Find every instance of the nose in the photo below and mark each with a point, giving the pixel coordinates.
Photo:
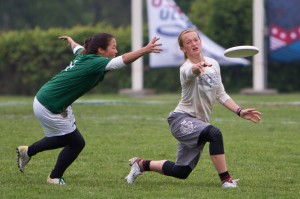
(194, 43)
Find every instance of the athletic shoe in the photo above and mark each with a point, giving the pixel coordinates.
(230, 183)
(23, 158)
(135, 170)
(59, 181)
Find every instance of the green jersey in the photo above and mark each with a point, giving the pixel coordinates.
(83, 74)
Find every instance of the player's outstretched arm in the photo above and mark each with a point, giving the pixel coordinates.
(70, 41)
(248, 114)
(151, 47)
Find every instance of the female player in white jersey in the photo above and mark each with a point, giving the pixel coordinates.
(52, 103)
(201, 84)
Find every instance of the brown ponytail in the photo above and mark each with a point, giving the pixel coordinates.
(100, 40)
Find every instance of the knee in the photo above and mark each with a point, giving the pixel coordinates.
(216, 134)
(210, 134)
(78, 144)
(216, 146)
(181, 172)
(81, 144)
(78, 140)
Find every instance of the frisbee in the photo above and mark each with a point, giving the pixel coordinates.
(241, 51)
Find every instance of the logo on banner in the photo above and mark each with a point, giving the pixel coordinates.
(170, 12)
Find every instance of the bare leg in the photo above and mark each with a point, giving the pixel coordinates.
(219, 162)
(157, 166)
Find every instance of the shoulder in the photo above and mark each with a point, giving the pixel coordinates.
(94, 58)
(211, 61)
(186, 65)
(92, 61)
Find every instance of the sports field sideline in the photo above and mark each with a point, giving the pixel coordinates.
(265, 156)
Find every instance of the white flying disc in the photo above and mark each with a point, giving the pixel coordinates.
(241, 51)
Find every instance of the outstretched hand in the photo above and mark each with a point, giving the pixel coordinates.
(67, 38)
(200, 67)
(250, 114)
(152, 46)
(70, 41)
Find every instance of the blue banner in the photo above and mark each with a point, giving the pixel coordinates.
(284, 30)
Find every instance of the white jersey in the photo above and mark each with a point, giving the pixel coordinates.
(199, 92)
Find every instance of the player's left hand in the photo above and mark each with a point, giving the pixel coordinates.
(153, 47)
(67, 38)
(250, 114)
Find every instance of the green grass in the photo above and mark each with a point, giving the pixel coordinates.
(265, 156)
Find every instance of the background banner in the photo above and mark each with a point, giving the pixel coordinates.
(284, 30)
(166, 20)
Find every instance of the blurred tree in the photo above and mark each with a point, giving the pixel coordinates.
(229, 23)
(185, 5)
(28, 14)
(115, 12)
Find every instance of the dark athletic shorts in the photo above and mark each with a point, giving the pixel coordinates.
(186, 129)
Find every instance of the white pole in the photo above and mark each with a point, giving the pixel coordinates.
(259, 82)
(137, 42)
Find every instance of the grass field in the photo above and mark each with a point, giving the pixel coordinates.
(265, 156)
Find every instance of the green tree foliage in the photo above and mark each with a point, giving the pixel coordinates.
(184, 5)
(29, 14)
(32, 57)
(229, 23)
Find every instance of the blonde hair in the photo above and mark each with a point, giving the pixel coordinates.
(180, 43)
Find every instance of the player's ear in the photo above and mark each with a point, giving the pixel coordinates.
(100, 51)
(182, 49)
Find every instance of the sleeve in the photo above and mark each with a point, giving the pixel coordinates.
(77, 49)
(187, 73)
(115, 63)
(221, 94)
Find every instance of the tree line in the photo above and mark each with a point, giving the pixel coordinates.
(228, 23)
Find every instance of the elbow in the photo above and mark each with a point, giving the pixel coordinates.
(126, 59)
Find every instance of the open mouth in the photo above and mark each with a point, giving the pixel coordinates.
(195, 49)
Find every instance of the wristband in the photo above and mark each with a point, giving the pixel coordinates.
(238, 112)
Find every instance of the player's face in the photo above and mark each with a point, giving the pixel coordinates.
(111, 51)
(191, 44)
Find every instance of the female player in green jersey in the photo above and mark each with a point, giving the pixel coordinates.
(52, 103)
